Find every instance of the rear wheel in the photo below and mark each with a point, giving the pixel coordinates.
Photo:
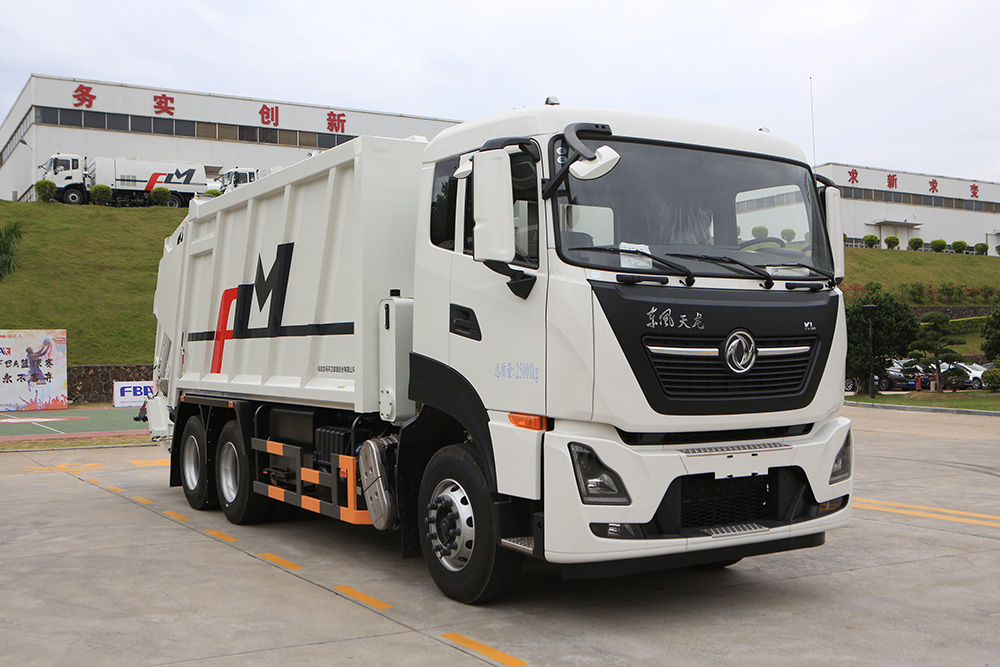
(196, 472)
(883, 384)
(459, 533)
(977, 383)
(849, 384)
(175, 201)
(234, 478)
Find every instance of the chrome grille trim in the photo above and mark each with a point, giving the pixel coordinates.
(729, 449)
(737, 529)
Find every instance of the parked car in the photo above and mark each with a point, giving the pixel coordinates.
(975, 371)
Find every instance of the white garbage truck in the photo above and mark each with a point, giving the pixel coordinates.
(131, 181)
(608, 340)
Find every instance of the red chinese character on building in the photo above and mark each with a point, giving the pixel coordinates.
(336, 122)
(891, 181)
(84, 96)
(853, 174)
(974, 189)
(269, 115)
(163, 104)
(933, 183)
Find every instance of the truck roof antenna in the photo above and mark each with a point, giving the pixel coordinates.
(551, 101)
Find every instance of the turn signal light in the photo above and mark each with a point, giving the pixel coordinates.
(530, 422)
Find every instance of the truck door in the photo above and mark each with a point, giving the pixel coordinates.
(497, 338)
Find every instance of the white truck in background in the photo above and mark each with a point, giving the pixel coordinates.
(130, 181)
(230, 179)
(547, 333)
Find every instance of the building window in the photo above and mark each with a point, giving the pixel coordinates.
(184, 128)
(163, 126)
(288, 137)
(118, 121)
(141, 124)
(47, 115)
(228, 132)
(327, 140)
(71, 117)
(307, 139)
(248, 133)
(205, 130)
(94, 119)
(267, 135)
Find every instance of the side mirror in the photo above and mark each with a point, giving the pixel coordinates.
(493, 207)
(605, 159)
(835, 230)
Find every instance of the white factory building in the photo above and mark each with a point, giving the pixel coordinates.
(98, 119)
(906, 205)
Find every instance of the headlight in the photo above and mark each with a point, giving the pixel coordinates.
(844, 462)
(598, 484)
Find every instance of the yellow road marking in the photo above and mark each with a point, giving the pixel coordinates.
(144, 501)
(931, 509)
(175, 515)
(927, 515)
(92, 481)
(74, 468)
(483, 649)
(361, 597)
(222, 536)
(115, 489)
(278, 560)
(150, 464)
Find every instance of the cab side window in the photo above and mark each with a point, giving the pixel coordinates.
(444, 195)
(524, 177)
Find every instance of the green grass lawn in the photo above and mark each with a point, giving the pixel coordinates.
(894, 268)
(92, 271)
(966, 399)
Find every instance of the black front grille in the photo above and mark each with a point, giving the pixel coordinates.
(706, 377)
(706, 501)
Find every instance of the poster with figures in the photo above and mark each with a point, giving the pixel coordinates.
(32, 370)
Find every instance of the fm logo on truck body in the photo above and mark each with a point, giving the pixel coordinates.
(273, 286)
(178, 177)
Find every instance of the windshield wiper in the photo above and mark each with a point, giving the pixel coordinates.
(722, 259)
(674, 266)
(823, 272)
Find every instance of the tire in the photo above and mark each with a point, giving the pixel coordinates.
(196, 471)
(234, 479)
(72, 196)
(175, 201)
(471, 567)
(849, 384)
(884, 385)
(977, 383)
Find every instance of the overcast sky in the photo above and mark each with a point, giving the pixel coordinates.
(909, 86)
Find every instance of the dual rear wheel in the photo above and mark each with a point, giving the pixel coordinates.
(219, 476)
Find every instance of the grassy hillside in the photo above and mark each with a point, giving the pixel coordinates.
(893, 268)
(90, 270)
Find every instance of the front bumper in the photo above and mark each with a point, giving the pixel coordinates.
(747, 472)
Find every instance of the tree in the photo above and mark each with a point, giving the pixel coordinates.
(893, 327)
(981, 248)
(788, 235)
(959, 246)
(870, 240)
(991, 336)
(891, 242)
(933, 347)
(916, 243)
(10, 238)
(938, 245)
(759, 232)
(45, 190)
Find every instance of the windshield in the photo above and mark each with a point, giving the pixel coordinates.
(674, 202)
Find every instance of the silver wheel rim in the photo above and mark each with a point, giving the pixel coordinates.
(192, 462)
(452, 528)
(229, 472)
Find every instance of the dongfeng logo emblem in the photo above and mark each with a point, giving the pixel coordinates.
(740, 351)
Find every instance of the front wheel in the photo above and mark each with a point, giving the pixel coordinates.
(849, 384)
(175, 201)
(977, 383)
(196, 471)
(72, 196)
(459, 533)
(234, 479)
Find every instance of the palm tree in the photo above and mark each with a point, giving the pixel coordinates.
(10, 237)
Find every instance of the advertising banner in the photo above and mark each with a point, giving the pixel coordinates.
(32, 370)
(132, 394)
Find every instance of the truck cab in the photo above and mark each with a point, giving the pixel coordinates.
(69, 174)
(233, 178)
